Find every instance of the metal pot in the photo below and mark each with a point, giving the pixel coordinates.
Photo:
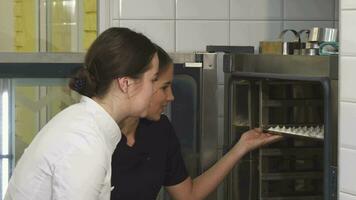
(312, 45)
(310, 52)
(306, 52)
(329, 48)
(306, 35)
(318, 34)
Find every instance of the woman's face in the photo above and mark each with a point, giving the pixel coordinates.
(142, 89)
(162, 94)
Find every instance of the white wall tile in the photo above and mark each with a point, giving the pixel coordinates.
(115, 23)
(115, 9)
(347, 119)
(348, 32)
(348, 4)
(300, 25)
(250, 33)
(159, 31)
(347, 79)
(193, 35)
(347, 178)
(256, 9)
(147, 9)
(309, 9)
(202, 9)
(344, 196)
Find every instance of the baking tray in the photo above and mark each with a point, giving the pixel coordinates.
(302, 132)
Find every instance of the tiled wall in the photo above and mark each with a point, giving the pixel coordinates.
(190, 25)
(347, 113)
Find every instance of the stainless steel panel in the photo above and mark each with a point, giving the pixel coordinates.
(294, 65)
(183, 57)
(220, 136)
(72, 57)
(209, 115)
(220, 100)
(41, 58)
(209, 112)
(219, 67)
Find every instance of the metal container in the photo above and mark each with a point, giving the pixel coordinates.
(307, 32)
(281, 47)
(329, 48)
(309, 52)
(306, 52)
(312, 45)
(318, 34)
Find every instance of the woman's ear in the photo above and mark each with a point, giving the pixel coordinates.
(123, 84)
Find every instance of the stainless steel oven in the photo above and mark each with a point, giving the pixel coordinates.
(193, 112)
(288, 92)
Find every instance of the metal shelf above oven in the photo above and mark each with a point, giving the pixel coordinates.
(293, 65)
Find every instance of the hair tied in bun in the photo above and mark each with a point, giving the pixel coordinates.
(79, 84)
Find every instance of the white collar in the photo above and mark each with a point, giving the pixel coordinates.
(107, 125)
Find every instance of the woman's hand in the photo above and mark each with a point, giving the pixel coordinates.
(255, 138)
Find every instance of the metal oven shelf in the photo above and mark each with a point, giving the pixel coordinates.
(294, 175)
(294, 198)
(290, 151)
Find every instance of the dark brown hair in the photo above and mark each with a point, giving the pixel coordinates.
(117, 52)
(164, 59)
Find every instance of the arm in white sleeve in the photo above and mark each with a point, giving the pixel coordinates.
(83, 174)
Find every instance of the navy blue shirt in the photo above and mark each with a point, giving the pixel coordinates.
(155, 160)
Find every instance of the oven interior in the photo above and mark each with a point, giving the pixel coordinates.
(291, 169)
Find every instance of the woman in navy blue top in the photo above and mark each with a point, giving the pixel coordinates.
(149, 157)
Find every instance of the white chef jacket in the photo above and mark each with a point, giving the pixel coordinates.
(70, 158)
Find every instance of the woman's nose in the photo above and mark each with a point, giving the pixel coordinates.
(170, 96)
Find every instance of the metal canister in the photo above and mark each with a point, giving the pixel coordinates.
(318, 34)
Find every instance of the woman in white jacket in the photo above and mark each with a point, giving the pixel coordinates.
(70, 158)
